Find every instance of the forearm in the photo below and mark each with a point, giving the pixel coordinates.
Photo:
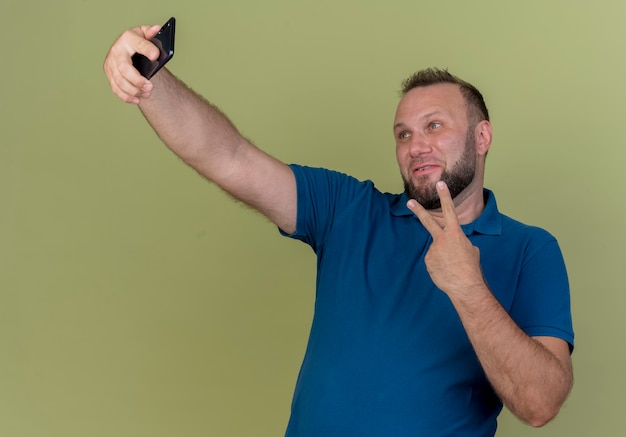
(531, 380)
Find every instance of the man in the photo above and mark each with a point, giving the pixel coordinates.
(432, 308)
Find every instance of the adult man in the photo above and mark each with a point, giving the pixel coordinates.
(432, 308)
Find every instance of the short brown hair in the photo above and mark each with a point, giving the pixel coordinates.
(477, 109)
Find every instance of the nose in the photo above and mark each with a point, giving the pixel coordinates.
(419, 145)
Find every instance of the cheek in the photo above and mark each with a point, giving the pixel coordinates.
(401, 159)
(401, 153)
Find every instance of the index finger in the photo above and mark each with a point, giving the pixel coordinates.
(447, 205)
(424, 217)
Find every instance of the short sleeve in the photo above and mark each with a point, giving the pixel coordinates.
(322, 196)
(542, 302)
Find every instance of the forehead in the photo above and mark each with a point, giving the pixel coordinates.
(439, 98)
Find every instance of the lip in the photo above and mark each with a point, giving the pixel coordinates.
(424, 169)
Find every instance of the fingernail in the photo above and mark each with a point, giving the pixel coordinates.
(441, 185)
(410, 203)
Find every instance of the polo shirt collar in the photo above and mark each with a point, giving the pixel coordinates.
(488, 223)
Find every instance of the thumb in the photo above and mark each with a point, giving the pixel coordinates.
(150, 31)
(145, 46)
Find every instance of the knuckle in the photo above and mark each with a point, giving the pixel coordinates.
(129, 33)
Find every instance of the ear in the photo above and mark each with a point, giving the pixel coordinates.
(482, 136)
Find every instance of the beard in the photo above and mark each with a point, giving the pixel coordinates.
(457, 178)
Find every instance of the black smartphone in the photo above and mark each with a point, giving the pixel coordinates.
(164, 40)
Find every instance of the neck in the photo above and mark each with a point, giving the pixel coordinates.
(469, 204)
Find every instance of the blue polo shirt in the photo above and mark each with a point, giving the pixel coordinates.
(387, 354)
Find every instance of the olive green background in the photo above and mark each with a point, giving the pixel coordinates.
(138, 300)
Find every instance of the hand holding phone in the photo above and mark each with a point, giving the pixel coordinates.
(164, 40)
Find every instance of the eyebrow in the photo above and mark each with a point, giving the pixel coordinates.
(421, 117)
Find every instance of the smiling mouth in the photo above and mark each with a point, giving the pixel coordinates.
(424, 168)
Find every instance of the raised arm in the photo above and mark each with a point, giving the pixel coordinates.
(532, 375)
(200, 134)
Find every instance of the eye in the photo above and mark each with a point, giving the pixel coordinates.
(404, 135)
(434, 125)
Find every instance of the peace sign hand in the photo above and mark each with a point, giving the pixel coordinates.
(452, 261)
